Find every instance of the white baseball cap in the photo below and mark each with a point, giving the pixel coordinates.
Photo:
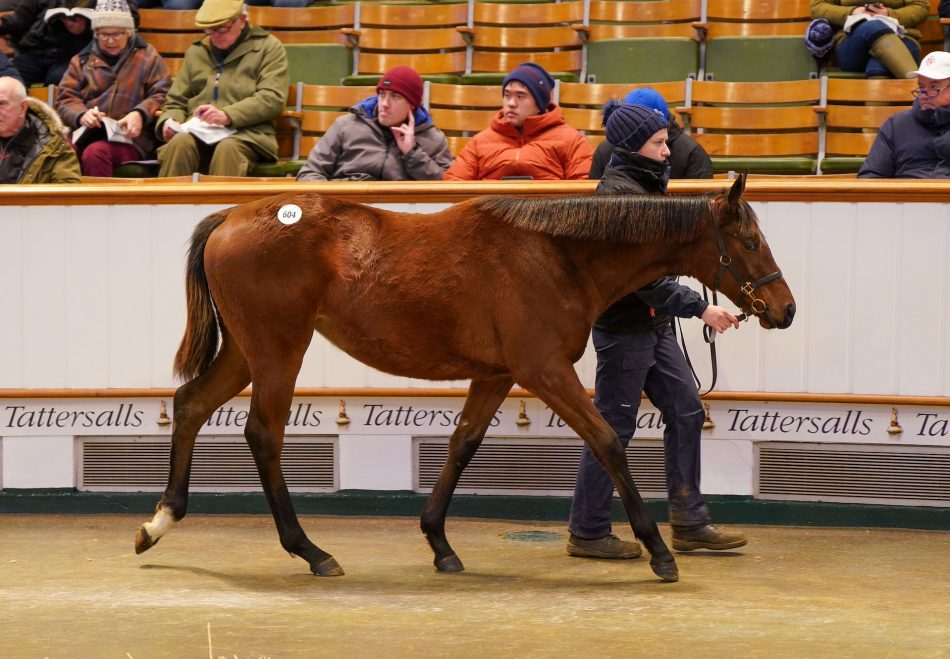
(935, 66)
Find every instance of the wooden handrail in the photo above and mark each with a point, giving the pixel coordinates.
(776, 188)
(456, 392)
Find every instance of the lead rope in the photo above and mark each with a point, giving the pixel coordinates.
(709, 336)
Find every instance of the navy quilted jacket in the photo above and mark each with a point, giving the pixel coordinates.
(914, 143)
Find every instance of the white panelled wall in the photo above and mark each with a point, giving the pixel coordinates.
(93, 297)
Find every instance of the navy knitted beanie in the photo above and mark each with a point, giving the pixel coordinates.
(630, 126)
(538, 81)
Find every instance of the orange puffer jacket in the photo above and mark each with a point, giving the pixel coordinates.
(546, 148)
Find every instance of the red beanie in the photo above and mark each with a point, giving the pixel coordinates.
(403, 81)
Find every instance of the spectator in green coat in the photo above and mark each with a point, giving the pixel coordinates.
(234, 83)
(33, 147)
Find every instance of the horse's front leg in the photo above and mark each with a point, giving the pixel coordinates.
(558, 386)
(194, 403)
(484, 398)
(270, 402)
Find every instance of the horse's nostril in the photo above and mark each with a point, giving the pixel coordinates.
(789, 314)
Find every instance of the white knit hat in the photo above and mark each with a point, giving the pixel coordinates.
(112, 13)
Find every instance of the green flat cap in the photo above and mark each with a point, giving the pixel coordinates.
(217, 12)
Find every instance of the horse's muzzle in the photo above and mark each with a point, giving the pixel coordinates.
(789, 316)
(768, 321)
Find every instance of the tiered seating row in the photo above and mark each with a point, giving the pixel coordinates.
(824, 125)
(813, 126)
(715, 41)
(477, 41)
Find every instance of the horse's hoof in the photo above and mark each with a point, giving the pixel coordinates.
(143, 541)
(328, 568)
(449, 564)
(666, 570)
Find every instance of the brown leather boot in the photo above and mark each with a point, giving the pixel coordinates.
(610, 546)
(707, 537)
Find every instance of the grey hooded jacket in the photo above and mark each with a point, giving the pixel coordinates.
(359, 148)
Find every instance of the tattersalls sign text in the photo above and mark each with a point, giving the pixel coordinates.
(438, 416)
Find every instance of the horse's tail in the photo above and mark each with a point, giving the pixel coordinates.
(199, 345)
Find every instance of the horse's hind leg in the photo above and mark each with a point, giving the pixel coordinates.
(563, 393)
(194, 403)
(484, 398)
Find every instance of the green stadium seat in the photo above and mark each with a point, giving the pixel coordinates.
(318, 64)
(642, 60)
(759, 59)
(769, 128)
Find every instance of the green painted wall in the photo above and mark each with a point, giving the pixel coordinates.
(725, 509)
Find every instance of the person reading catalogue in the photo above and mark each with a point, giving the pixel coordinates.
(231, 87)
(111, 92)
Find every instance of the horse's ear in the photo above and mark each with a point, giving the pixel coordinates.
(736, 192)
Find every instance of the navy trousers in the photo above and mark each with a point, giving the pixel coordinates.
(628, 364)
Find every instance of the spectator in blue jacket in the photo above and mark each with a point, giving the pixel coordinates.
(916, 143)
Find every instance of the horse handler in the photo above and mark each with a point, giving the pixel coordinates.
(637, 352)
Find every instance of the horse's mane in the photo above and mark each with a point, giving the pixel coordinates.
(629, 219)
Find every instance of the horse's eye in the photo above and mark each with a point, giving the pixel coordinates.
(750, 244)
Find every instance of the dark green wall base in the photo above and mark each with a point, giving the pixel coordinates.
(725, 509)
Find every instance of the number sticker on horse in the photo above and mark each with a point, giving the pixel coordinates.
(289, 214)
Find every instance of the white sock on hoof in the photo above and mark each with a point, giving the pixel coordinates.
(160, 524)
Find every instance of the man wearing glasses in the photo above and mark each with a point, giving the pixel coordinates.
(233, 79)
(111, 92)
(916, 143)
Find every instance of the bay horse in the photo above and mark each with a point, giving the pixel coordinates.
(494, 289)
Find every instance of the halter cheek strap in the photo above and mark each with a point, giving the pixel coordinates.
(746, 288)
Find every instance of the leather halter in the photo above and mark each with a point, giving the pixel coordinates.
(746, 288)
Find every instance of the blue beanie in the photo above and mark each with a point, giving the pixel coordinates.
(819, 37)
(649, 97)
(629, 127)
(538, 81)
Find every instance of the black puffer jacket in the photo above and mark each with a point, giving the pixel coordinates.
(30, 31)
(687, 158)
(651, 306)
